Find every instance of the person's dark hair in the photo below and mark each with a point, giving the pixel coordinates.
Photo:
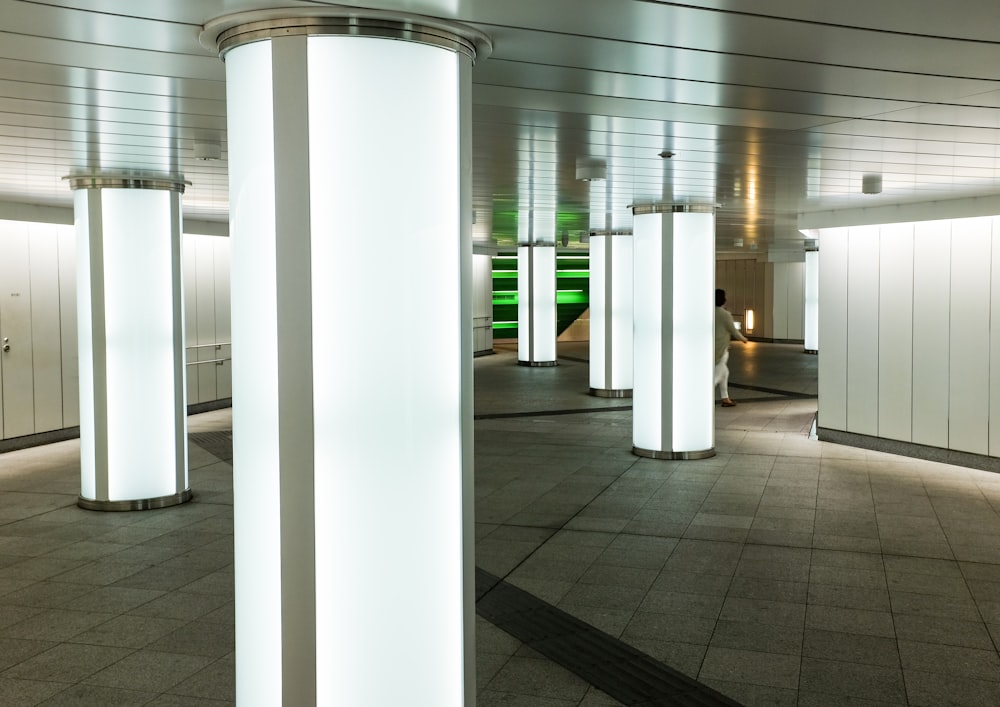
(720, 298)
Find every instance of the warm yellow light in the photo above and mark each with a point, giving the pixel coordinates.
(749, 320)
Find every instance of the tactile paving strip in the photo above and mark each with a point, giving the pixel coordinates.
(219, 444)
(626, 674)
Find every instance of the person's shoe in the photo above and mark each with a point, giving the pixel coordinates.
(728, 403)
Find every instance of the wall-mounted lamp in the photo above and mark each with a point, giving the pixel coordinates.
(748, 320)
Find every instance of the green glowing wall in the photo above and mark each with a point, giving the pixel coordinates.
(572, 292)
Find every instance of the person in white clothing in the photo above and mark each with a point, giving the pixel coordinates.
(725, 331)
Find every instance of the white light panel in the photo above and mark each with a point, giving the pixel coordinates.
(387, 438)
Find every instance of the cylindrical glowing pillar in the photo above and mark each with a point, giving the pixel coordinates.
(672, 409)
(352, 479)
(536, 304)
(130, 313)
(611, 314)
(811, 304)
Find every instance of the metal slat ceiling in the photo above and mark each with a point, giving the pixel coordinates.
(772, 109)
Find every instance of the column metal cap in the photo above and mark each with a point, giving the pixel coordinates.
(125, 181)
(230, 31)
(668, 208)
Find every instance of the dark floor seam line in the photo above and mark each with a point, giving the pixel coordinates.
(542, 413)
(774, 391)
(609, 664)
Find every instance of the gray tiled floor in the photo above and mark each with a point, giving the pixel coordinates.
(781, 571)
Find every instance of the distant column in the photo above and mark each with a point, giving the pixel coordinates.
(611, 293)
(536, 304)
(812, 302)
(133, 417)
(672, 411)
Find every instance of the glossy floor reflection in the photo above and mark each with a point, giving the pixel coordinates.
(781, 571)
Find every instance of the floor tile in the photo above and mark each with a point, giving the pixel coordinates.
(537, 678)
(752, 667)
(55, 625)
(67, 662)
(934, 689)
(950, 660)
(147, 670)
(767, 638)
(861, 621)
(839, 679)
(97, 695)
(850, 648)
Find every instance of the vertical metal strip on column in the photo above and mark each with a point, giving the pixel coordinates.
(99, 342)
(177, 277)
(532, 333)
(295, 364)
(666, 329)
(609, 315)
(467, 403)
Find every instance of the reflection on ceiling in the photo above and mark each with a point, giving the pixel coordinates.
(778, 108)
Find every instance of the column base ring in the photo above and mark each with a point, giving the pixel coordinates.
(611, 392)
(141, 504)
(657, 454)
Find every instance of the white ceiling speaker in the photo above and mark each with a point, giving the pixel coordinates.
(591, 170)
(207, 150)
(871, 184)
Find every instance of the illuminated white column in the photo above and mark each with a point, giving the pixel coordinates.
(611, 314)
(672, 413)
(536, 304)
(130, 311)
(812, 302)
(352, 479)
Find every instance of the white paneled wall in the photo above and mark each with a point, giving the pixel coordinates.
(833, 329)
(931, 292)
(206, 318)
(862, 330)
(895, 331)
(969, 337)
(910, 332)
(39, 380)
(789, 301)
(482, 303)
